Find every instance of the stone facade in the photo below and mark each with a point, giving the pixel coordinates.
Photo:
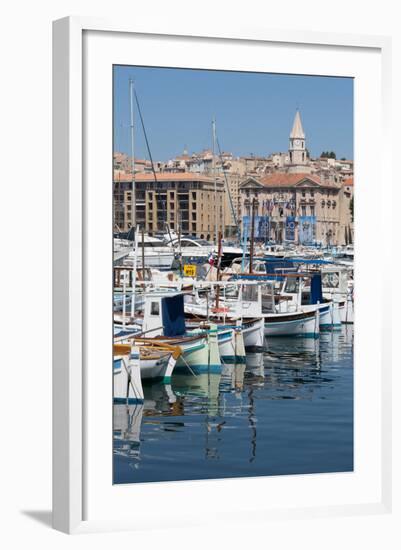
(179, 199)
(285, 184)
(314, 196)
(299, 196)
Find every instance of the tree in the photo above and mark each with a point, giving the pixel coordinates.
(328, 155)
(351, 207)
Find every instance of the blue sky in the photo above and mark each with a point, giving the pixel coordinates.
(254, 111)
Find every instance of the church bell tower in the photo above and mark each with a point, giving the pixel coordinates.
(297, 150)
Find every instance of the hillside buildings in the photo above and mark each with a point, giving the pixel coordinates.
(291, 196)
(301, 201)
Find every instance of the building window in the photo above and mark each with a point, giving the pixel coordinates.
(303, 193)
(312, 210)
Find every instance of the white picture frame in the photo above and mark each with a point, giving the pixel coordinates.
(71, 310)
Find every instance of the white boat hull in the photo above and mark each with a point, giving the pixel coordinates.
(307, 327)
(253, 334)
(127, 383)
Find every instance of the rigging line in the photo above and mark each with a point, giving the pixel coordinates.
(149, 153)
(228, 190)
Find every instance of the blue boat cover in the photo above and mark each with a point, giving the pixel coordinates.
(316, 289)
(173, 315)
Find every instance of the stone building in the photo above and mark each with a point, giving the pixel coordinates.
(346, 211)
(293, 207)
(185, 200)
(302, 201)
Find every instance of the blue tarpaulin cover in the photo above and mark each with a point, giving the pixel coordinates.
(316, 289)
(173, 315)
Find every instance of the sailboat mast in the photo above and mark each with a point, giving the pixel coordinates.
(252, 236)
(133, 199)
(215, 181)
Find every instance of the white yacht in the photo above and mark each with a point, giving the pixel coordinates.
(157, 254)
(195, 250)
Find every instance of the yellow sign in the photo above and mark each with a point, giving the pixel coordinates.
(190, 270)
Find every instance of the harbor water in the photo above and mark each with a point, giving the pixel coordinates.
(289, 410)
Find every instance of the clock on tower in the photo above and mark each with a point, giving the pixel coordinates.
(297, 142)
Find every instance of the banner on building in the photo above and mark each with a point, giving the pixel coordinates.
(261, 227)
(307, 229)
(290, 228)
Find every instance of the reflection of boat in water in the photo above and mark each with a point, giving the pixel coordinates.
(127, 420)
(232, 376)
(202, 389)
(159, 399)
(255, 364)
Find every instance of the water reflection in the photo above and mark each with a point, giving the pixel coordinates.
(241, 422)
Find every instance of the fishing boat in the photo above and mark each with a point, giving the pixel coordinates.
(229, 337)
(127, 384)
(256, 299)
(164, 322)
(156, 359)
(337, 285)
(303, 291)
(251, 330)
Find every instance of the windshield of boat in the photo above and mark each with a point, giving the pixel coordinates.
(249, 293)
(331, 280)
(291, 285)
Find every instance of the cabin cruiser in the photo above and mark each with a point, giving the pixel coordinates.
(194, 251)
(156, 253)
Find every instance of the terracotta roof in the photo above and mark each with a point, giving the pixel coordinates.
(282, 179)
(348, 181)
(182, 157)
(163, 176)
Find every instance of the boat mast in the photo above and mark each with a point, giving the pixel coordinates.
(134, 272)
(252, 235)
(143, 257)
(133, 189)
(218, 270)
(227, 193)
(215, 180)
